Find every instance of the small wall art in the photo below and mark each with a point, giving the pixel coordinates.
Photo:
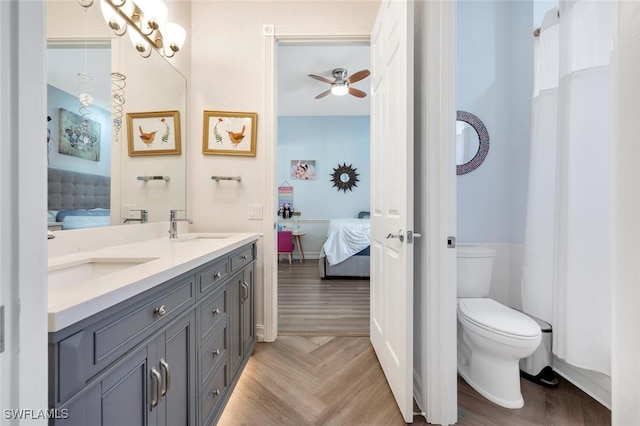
(229, 133)
(78, 140)
(303, 169)
(154, 133)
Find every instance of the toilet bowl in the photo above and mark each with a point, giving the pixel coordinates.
(492, 338)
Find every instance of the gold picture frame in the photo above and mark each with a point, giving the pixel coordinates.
(154, 133)
(229, 133)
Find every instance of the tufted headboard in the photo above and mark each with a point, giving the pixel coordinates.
(74, 190)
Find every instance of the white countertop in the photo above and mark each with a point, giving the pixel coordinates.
(74, 301)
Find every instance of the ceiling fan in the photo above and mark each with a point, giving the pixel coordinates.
(341, 84)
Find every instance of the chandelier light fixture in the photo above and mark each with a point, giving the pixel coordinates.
(146, 21)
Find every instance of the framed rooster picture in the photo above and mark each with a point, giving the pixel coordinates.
(229, 133)
(154, 133)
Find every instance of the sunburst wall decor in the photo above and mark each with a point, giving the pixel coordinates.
(344, 177)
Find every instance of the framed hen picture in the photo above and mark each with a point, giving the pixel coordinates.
(229, 133)
(154, 133)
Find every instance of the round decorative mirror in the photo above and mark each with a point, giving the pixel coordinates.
(344, 177)
(472, 142)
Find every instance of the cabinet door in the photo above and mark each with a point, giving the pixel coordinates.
(176, 363)
(248, 322)
(234, 293)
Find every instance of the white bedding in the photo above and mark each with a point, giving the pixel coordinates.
(346, 237)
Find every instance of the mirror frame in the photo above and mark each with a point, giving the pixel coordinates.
(483, 136)
(350, 172)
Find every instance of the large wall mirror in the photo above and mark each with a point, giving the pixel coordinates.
(90, 167)
(472, 142)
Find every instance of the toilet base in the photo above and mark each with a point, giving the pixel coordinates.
(505, 395)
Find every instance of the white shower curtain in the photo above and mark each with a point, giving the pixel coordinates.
(566, 273)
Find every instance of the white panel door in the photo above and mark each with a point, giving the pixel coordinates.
(391, 324)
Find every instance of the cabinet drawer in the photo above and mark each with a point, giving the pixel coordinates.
(212, 396)
(213, 353)
(122, 334)
(213, 276)
(241, 258)
(213, 312)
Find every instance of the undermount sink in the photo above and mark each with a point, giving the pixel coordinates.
(196, 237)
(86, 269)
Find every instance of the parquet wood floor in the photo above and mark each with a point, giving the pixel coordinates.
(321, 380)
(307, 378)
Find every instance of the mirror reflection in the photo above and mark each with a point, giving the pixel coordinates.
(467, 142)
(93, 179)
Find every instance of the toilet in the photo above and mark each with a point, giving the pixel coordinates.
(492, 338)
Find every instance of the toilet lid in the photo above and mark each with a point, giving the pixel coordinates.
(488, 313)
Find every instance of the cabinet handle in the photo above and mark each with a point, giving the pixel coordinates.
(216, 352)
(216, 311)
(243, 257)
(218, 275)
(160, 311)
(155, 373)
(216, 392)
(245, 291)
(167, 376)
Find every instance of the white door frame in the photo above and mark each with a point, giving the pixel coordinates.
(439, 399)
(272, 36)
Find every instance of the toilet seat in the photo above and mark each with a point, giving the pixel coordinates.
(494, 317)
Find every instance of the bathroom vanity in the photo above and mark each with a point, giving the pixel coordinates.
(153, 340)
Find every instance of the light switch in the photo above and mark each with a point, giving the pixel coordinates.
(255, 212)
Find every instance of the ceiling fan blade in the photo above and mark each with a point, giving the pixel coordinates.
(357, 93)
(358, 76)
(323, 94)
(320, 78)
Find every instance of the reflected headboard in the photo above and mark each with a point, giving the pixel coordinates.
(73, 190)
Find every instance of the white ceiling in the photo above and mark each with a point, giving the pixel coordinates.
(296, 91)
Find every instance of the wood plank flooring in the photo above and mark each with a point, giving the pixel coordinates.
(309, 305)
(306, 378)
(324, 380)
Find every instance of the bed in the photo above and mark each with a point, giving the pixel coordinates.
(78, 200)
(345, 252)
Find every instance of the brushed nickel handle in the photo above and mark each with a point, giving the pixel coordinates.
(216, 352)
(216, 392)
(216, 311)
(155, 373)
(160, 311)
(399, 235)
(245, 291)
(218, 275)
(167, 382)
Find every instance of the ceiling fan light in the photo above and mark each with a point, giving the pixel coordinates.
(339, 89)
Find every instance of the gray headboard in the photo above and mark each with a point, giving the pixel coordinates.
(74, 190)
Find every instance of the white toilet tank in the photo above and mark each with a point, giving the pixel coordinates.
(475, 265)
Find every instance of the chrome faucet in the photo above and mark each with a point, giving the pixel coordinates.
(144, 217)
(173, 223)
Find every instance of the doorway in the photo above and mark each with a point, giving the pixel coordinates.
(318, 133)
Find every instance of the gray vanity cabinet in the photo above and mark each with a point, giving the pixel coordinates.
(167, 357)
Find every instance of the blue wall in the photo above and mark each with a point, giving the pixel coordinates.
(495, 82)
(57, 99)
(330, 141)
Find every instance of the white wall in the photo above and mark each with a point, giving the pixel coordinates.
(495, 83)
(625, 256)
(229, 52)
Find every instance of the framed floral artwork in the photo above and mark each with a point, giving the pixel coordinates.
(229, 133)
(154, 133)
